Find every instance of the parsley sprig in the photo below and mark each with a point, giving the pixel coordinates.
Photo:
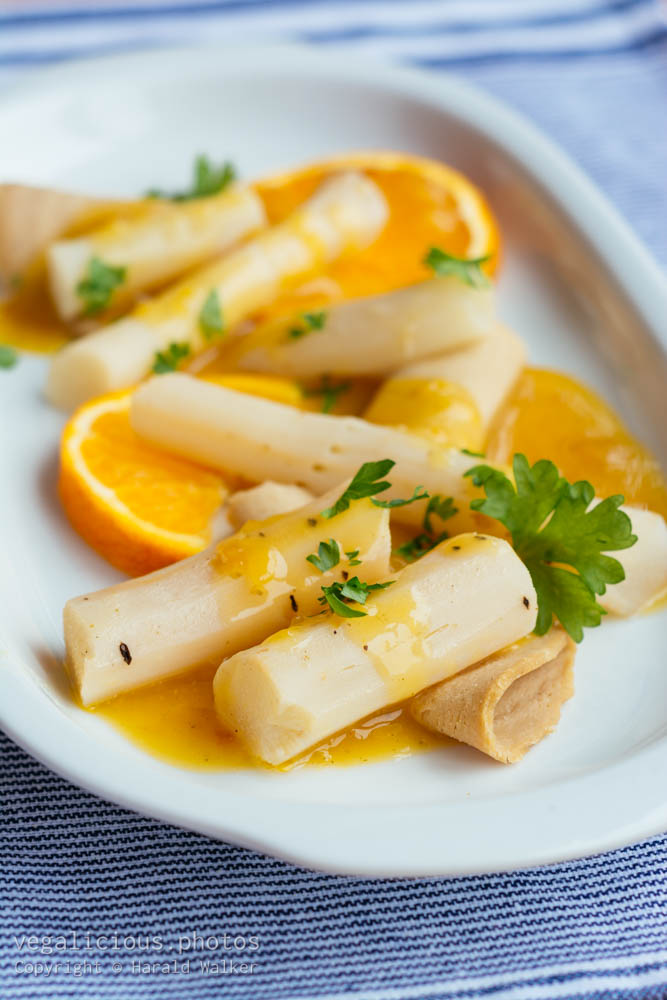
(559, 539)
(169, 360)
(367, 482)
(210, 316)
(468, 270)
(328, 390)
(355, 590)
(310, 321)
(429, 537)
(328, 556)
(207, 180)
(98, 285)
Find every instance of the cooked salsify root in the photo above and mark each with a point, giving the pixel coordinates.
(467, 598)
(210, 605)
(345, 214)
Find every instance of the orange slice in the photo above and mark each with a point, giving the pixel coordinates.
(140, 508)
(430, 204)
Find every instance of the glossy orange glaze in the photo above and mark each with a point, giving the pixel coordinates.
(551, 415)
(28, 320)
(175, 721)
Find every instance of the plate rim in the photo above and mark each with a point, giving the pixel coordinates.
(641, 281)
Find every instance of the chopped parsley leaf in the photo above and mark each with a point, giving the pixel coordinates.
(355, 590)
(8, 356)
(97, 287)
(210, 316)
(467, 270)
(418, 494)
(329, 392)
(328, 556)
(207, 180)
(311, 321)
(168, 360)
(367, 482)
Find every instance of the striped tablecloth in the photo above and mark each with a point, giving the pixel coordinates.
(594, 75)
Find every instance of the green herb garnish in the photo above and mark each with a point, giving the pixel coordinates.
(8, 356)
(328, 556)
(419, 494)
(168, 361)
(328, 391)
(367, 482)
(208, 179)
(442, 507)
(352, 590)
(210, 316)
(417, 546)
(311, 321)
(97, 287)
(475, 454)
(558, 538)
(352, 557)
(468, 270)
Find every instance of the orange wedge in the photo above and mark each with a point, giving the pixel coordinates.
(140, 508)
(430, 204)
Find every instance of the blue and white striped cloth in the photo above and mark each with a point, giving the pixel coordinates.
(594, 75)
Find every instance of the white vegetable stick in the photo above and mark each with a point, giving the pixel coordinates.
(345, 214)
(154, 247)
(467, 598)
(375, 335)
(260, 439)
(256, 504)
(265, 500)
(508, 702)
(645, 565)
(221, 600)
(450, 399)
(487, 369)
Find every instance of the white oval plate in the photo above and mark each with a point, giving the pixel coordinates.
(575, 283)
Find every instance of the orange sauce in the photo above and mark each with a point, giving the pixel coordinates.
(175, 721)
(28, 319)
